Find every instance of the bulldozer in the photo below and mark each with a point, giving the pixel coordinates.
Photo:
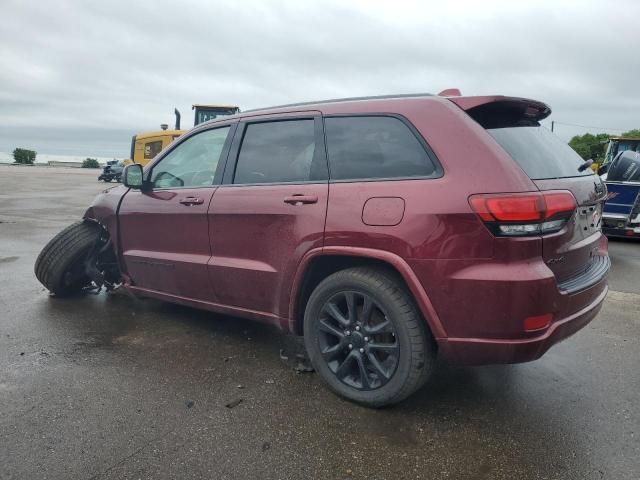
(145, 146)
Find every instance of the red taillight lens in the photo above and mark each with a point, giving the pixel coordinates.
(558, 202)
(524, 213)
(508, 208)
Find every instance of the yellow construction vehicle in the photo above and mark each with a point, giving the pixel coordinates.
(145, 146)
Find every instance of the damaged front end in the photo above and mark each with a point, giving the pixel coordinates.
(101, 264)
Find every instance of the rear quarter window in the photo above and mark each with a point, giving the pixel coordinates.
(375, 147)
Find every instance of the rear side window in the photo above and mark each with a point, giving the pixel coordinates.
(280, 152)
(374, 147)
(539, 152)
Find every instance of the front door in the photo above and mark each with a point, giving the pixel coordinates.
(164, 228)
(268, 213)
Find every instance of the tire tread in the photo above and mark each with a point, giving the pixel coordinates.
(61, 252)
(421, 345)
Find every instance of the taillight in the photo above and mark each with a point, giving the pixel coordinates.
(519, 214)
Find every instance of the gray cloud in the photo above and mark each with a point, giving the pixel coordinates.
(80, 77)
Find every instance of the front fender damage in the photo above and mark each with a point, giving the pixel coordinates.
(102, 263)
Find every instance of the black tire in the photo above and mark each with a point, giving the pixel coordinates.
(395, 311)
(60, 265)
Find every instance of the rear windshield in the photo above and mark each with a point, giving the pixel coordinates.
(626, 168)
(539, 152)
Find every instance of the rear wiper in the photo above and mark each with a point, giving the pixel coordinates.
(585, 165)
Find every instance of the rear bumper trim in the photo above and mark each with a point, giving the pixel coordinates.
(598, 269)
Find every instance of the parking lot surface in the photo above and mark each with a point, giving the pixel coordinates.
(107, 386)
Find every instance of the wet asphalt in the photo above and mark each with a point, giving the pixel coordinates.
(109, 387)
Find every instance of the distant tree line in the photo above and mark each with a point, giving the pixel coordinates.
(90, 163)
(24, 156)
(594, 146)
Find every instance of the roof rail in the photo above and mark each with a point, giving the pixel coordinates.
(340, 100)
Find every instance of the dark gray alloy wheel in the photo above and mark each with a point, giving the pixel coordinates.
(366, 338)
(357, 340)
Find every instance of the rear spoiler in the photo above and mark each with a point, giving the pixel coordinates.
(481, 107)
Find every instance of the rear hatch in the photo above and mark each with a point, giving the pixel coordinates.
(552, 165)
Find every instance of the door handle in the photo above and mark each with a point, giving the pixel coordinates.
(300, 199)
(191, 201)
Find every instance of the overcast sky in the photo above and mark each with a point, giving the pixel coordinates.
(81, 77)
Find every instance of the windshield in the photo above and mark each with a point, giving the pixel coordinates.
(205, 114)
(539, 152)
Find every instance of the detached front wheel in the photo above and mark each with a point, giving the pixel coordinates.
(60, 267)
(366, 339)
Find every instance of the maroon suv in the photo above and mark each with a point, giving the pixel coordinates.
(382, 229)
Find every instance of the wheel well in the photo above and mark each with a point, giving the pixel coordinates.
(106, 257)
(321, 267)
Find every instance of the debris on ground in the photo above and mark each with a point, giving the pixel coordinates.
(190, 403)
(234, 403)
(294, 354)
(303, 367)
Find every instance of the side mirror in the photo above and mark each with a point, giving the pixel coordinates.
(132, 176)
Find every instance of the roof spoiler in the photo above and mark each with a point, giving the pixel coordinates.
(480, 107)
(450, 92)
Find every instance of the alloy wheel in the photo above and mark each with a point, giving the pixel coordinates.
(357, 341)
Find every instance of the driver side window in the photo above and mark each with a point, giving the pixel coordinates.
(193, 163)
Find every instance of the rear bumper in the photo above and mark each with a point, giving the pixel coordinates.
(622, 232)
(476, 351)
(620, 225)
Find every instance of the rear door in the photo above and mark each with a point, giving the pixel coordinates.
(553, 165)
(164, 229)
(269, 211)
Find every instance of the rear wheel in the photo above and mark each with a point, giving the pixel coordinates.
(60, 267)
(366, 339)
